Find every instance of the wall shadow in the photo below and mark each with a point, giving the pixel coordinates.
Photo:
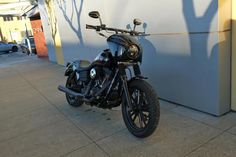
(69, 17)
(72, 16)
(192, 80)
(199, 25)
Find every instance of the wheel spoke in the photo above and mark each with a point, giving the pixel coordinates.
(133, 99)
(135, 116)
(131, 114)
(138, 96)
(133, 95)
(144, 118)
(140, 109)
(144, 106)
(140, 120)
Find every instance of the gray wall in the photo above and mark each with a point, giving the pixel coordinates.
(188, 69)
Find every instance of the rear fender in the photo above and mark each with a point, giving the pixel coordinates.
(69, 69)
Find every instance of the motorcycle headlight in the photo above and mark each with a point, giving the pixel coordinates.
(133, 52)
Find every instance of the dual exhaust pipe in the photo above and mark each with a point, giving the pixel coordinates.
(75, 94)
(70, 92)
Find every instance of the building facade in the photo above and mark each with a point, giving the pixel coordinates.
(14, 28)
(187, 57)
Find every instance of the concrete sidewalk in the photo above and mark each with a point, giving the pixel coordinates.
(35, 120)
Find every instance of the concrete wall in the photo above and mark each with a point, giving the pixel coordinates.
(50, 24)
(47, 31)
(233, 69)
(187, 57)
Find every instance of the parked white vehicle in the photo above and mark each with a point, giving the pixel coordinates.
(6, 47)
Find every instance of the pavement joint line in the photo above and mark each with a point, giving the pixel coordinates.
(211, 139)
(102, 138)
(27, 132)
(24, 113)
(231, 132)
(102, 149)
(68, 153)
(199, 121)
(61, 112)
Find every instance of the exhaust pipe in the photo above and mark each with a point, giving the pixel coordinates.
(68, 91)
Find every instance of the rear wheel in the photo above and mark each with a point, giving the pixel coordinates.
(71, 84)
(27, 52)
(143, 118)
(14, 49)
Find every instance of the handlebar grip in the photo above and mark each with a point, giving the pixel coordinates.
(90, 27)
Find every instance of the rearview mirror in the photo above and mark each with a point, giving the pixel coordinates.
(137, 22)
(94, 14)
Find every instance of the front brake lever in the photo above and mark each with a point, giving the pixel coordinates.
(102, 34)
(139, 33)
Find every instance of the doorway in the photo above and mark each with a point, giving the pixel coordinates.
(39, 37)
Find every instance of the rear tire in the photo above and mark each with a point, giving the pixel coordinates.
(73, 101)
(143, 118)
(14, 49)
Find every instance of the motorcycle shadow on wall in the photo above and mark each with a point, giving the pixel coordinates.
(150, 55)
(191, 74)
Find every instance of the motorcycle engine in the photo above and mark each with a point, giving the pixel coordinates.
(100, 77)
(101, 84)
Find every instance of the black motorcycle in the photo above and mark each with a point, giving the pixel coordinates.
(108, 81)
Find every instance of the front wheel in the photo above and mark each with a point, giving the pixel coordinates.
(142, 119)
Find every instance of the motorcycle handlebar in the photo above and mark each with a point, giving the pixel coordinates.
(91, 27)
(103, 27)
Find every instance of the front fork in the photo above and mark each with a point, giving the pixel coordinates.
(126, 92)
(123, 76)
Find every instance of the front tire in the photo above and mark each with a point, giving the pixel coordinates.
(71, 83)
(143, 118)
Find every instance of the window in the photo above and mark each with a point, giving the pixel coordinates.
(19, 17)
(8, 18)
(4, 18)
